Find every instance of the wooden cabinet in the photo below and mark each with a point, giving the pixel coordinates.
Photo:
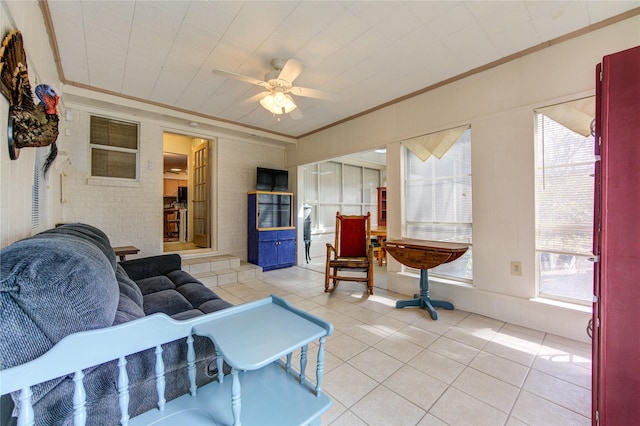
(382, 206)
(171, 186)
(271, 236)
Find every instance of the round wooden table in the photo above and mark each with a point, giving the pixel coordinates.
(424, 255)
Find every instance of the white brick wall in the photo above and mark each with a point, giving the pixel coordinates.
(131, 212)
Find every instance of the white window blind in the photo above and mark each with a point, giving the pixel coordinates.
(39, 193)
(564, 210)
(114, 148)
(438, 201)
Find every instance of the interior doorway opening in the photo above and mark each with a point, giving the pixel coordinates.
(350, 184)
(187, 193)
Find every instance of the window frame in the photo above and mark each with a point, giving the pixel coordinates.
(135, 151)
(576, 256)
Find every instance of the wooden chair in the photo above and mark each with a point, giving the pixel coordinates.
(352, 252)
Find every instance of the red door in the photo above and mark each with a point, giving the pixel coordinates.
(616, 345)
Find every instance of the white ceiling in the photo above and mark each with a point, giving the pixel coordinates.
(367, 53)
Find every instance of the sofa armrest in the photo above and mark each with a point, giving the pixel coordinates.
(152, 266)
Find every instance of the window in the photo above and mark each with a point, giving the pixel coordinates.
(564, 211)
(114, 148)
(334, 186)
(39, 199)
(438, 198)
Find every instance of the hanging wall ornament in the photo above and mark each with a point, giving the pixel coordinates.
(29, 125)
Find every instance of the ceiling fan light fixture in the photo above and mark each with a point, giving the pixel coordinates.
(278, 103)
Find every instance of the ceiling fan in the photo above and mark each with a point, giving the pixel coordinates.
(279, 87)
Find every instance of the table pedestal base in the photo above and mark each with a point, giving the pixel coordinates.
(423, 300)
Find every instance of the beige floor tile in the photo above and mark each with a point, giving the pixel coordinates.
(512, 421)
(417, 336)
(361, 314)
(347, 384)
(344, 346)
(565, 367)
(500, 368)
(475, 338)
(348, 419)
(368, 334)
(397, 346)
(488, 389)
(436, 327)
(512, 349)
(480, 322)
(382, 407)
(416, 386)
(431, 420)
(436, 365)
(375, 364)
(392, 366)
(534, 410)
(560, 392)
(454, 350)
(335, 411)
(458, 408)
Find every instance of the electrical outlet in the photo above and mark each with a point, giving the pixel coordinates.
(516, 268)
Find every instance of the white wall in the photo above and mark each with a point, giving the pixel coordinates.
(16, 176)
(499, 104)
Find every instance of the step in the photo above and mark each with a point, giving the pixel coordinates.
(215, 271)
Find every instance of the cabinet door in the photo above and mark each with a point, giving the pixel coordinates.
(286, 252)
(268, 249)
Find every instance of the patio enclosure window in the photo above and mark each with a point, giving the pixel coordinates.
(438, 199)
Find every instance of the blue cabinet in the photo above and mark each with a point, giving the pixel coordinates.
(271, 234)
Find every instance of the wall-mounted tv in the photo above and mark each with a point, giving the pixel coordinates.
(272, 180)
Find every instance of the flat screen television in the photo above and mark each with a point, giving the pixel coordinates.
(272, 179)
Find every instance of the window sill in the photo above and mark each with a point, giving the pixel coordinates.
(564, 305)
(126, 183)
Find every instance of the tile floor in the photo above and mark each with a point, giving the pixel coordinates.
(388, 366)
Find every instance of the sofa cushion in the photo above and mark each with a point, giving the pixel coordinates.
(128, 310)
(196, 293)
(85, 232)
(128, 286)
(155, 284)
(214, 305)
(169, 302)
(180, 277)
(152, 266)
(75, 279)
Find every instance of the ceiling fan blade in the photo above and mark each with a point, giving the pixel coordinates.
(291, 70)
(240, 77)
(254, 98)
(311, 93)
(296, 114)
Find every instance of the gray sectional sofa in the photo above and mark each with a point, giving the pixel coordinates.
(67, 280)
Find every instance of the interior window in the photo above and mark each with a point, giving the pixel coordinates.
(564, 210)
(438, 195)
(114, 148)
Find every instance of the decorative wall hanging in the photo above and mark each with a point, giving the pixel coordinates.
(29, 125)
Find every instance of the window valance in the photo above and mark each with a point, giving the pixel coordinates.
(437, 143)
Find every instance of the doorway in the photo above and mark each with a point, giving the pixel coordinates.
(187, 193)
(350, 184)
